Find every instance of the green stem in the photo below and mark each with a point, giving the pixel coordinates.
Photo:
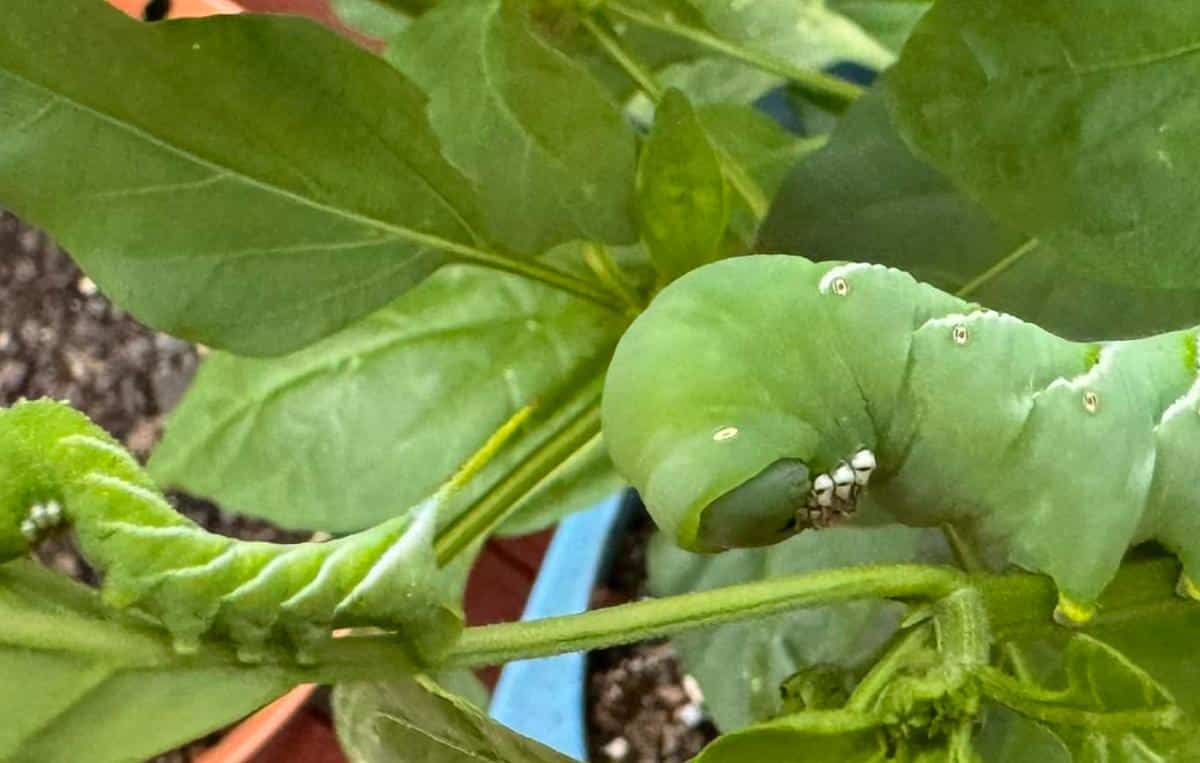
(637, 621)
(734, 173)
(598, 258)
(1043, 705)
(1001, 265)
(532, 270)
(822, 87)
(638, 73)
(496, 505)
(881, 673)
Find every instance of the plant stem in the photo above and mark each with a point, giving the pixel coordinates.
(1001, 265)
(734, 173)
(495, 505)
(532, 270)
(822, 87)
(598, 258)
(880, 675)
(612, 46)
(626, 623)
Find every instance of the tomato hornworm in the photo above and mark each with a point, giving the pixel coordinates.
(758, 397)
(57, 468)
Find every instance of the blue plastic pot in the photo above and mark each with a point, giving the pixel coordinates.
(544, 699)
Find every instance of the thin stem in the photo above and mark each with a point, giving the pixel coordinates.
(737, 176)
(496, 505)
(964, 554)
(532, 270)
(823, 87)
(881, 673)
(999, 267)
(627, 623)
(598, 258)
(638, 73)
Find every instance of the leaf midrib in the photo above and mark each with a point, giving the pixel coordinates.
(398, 231)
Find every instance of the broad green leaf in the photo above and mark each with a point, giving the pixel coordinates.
(813, 737)
(345, 433)
(415, 720)
(261, 185)
(552, 155)
(741, 666)
(1072, 121)
(681, 194)
(866, 197)
(888, 21)
(381, 19)
(80, 683)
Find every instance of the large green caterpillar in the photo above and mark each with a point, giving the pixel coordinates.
(57, 467)
(757, 396)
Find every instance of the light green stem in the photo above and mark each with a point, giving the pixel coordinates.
(598, 258)
(822, 87)
(638, 73)
(1001, 265)
(496, 505)
(734, 173)
(637, 621)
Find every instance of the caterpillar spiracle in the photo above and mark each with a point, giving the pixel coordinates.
(758, 396)
(58, 468)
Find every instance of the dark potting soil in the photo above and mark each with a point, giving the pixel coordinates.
(61, 338)
(641, 706)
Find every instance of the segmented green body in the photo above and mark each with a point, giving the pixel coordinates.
(195, 582)
(1060, 454)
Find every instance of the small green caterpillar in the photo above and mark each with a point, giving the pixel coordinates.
(57, 467)
(758, 396)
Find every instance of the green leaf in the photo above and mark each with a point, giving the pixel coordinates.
(83, 683)
(1070, 121)
(552, 155)
(888, 21)
(682, 199)
(741, 666)
(1006, 737)
(344, 433)
(381, 19)
(866, 197)
(261, 184)
(807, 33)
(415, 720)
(813, 737)
(761, 148)
(1092, 697)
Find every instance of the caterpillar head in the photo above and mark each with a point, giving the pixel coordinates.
(30, 474)
(717, 407)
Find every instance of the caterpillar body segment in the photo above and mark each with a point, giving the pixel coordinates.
(197, 583)
(1060, 454)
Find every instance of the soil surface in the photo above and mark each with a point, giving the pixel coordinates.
(642, 707)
